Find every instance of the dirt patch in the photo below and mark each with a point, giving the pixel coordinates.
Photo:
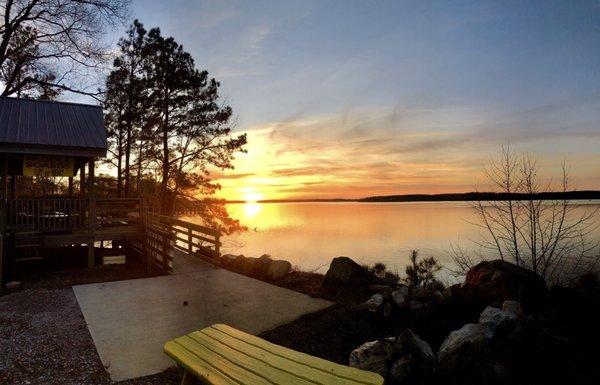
(65, 278)
(332, 333)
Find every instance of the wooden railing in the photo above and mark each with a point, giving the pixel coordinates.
(156, 248)
(47, 214)
(71, 214)
(193, 239)
(118, 212)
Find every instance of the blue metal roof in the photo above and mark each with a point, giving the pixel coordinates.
(53, 128)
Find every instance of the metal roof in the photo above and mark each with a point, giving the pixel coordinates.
(29, 126)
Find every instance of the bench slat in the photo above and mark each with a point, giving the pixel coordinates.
(196, 365)
(237, 373)
(271, 374)
(222, 355)
(358, 375)
(291, 366)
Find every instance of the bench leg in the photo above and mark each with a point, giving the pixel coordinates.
(189, 379)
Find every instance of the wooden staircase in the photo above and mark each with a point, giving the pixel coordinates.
(28, 246)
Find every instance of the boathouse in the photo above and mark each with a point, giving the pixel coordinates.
(49, 139)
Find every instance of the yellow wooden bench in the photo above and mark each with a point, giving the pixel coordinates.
(222, 355)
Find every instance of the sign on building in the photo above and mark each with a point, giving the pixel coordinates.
(47, 166)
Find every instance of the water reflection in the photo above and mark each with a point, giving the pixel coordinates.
(311, 234)
(251, 209)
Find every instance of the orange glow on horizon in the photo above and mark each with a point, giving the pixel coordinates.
(316, 159)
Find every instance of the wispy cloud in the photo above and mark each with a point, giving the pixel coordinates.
(400, 150)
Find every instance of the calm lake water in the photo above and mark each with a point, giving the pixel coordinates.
(309, 235)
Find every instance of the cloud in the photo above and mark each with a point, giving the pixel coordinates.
(407, 150)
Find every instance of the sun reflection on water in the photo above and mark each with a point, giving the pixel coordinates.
(251, 209)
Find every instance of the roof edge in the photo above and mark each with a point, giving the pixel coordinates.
(51, 102)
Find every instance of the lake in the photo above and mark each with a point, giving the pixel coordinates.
(309, 235)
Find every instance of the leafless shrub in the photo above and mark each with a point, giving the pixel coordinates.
(549, 237)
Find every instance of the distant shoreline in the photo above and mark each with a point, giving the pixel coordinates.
(451, 197)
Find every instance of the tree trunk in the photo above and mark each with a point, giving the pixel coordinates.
(165, 160)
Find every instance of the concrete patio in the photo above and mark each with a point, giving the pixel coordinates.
(131, 320)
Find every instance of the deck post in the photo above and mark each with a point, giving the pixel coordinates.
(3, 188)
(70, 186)
(92, 214)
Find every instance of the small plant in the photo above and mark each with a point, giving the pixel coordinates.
(422, 272)
(379, 269)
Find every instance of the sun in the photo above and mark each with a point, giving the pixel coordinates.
(252, 197)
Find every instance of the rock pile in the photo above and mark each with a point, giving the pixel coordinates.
(264, 267)
(405, 358)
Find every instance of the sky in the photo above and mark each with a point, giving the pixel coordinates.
(345, 99)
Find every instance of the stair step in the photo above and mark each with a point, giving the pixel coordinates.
(26, 259)
(27, 245)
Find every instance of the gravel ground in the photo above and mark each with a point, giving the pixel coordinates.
(44, 340)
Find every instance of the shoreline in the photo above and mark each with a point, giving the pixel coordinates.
(588, 195)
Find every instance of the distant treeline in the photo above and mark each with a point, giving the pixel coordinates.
(483, 196)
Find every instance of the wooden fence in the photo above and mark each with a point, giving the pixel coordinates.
(156, 247)
(196, 240)
(47, 214)
(70, 214)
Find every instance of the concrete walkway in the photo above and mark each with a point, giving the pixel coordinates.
(131, 320)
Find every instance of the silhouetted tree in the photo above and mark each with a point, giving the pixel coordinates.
(192, 126)
(50, 44)
(126, 103)
(164, 117)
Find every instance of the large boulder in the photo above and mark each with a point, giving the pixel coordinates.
(493, 282)
(400, 296)
(238, 264)
(279, 269)
(374, 356)
(416, 359)
(227, 260)
(513, 307)
(497, 318)
(463, 347)
(345, 275)
(261, 266)
(374, 303)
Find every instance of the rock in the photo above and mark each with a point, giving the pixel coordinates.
(513, 307)
(238, 264)
(244, 265)
(381, 289)
(425, 294)
(387, 279)
(279, 269)
(463, 347)
(228, 260)
(401, 369)
(497, 318)
(260, 268)
(345, 275)
(415, 305)
(12, 285)
(374, 356)
(374, 303)
(408, 342)
(400, 296)
(416, 358)
(492, 282)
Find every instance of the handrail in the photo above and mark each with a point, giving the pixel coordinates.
(192, 238)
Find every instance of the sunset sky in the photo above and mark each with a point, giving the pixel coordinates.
(355, 98)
